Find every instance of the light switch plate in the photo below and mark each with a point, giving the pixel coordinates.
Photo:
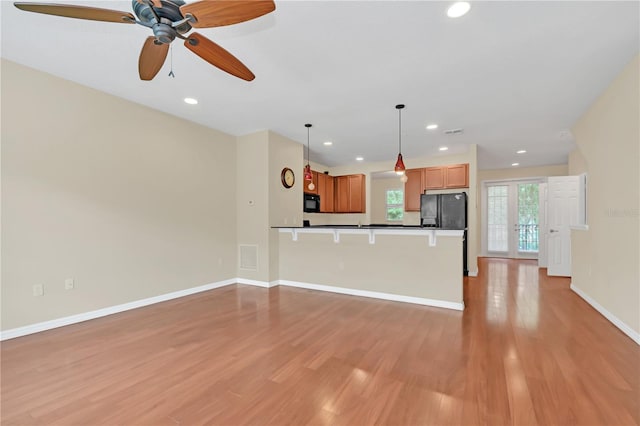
(38, 290)
(69, 284)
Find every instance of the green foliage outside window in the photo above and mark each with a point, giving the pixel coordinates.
(395, 205)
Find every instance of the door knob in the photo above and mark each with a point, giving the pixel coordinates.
(553, 230)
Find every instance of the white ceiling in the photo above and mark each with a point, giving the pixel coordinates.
(515, 75)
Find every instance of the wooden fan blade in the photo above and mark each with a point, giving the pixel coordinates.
(152, 58)
(155, 3)
(217, 56)
(79, 12)
(217, 13)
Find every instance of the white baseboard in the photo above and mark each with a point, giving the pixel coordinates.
(375, 295)
(634, 335)
(73, 319)
(266, 284)
(86, 316)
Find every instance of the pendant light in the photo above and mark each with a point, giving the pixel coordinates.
(400, 168)
(307, 169)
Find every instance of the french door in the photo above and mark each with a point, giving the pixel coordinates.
(512, 219)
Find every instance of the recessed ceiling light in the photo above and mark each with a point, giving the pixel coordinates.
(458, 9)
(522, 151)
(432, 126)
(359, 159)
(327, 143)
(443, 148)
(191, 101)
(515, 164)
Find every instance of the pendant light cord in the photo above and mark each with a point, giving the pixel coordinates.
(399, 130)
(308, 145)
(308, 126)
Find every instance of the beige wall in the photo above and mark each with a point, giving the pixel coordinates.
(522, 172)
(606, 257)
(252, 194)
(414, 268)
(262, 199)
(128, 201)
(285, 204)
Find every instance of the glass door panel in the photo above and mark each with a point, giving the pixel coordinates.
(512, 219)
(498, 218)
(528, 218)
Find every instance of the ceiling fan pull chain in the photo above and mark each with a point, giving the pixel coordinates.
(171, 74)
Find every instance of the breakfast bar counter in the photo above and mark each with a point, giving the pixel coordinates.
(403, 263)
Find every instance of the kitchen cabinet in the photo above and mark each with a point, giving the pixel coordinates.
(447, 177)
(434, 177)
(430, 178)
(326, 192)
(349, 194)
(456, 176)
(412, 189)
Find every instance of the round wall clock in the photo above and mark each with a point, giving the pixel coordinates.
(287, 177)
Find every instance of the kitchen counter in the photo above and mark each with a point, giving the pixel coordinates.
(372, 231)
(401, 263)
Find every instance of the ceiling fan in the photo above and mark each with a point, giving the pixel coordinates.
(170, 19)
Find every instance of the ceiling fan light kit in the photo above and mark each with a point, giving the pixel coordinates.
(171, 19)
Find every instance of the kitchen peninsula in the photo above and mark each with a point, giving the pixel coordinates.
(408, 264)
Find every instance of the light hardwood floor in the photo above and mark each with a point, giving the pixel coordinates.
(525, 351)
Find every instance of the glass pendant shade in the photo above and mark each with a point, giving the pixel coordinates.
(400, 166)
(307, 172)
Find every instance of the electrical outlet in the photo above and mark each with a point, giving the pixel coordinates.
(69, 284)
(38, 290)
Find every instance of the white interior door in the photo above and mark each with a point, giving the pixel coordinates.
(562, 193)
(512, 219)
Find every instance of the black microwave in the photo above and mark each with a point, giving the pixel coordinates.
(311, 203)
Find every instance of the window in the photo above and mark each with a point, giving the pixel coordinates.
(395, 205)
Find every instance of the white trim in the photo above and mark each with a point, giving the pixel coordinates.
(375, 295)
(473, 273)
(73, 319)
(634, 335)
(372, 232)
(265, 284)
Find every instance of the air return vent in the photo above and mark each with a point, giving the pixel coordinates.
(454, 131)
(249, 257)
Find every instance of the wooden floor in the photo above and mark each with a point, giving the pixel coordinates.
(526, 351)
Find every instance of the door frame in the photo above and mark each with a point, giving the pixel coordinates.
(483, 222)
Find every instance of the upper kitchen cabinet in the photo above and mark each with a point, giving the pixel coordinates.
(413, 187)
(434, 178)
(325, 186)
(430, 178)
(446, 177)
(349, 194)
(456, 176)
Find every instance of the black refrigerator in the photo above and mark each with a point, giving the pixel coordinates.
(446, 211)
